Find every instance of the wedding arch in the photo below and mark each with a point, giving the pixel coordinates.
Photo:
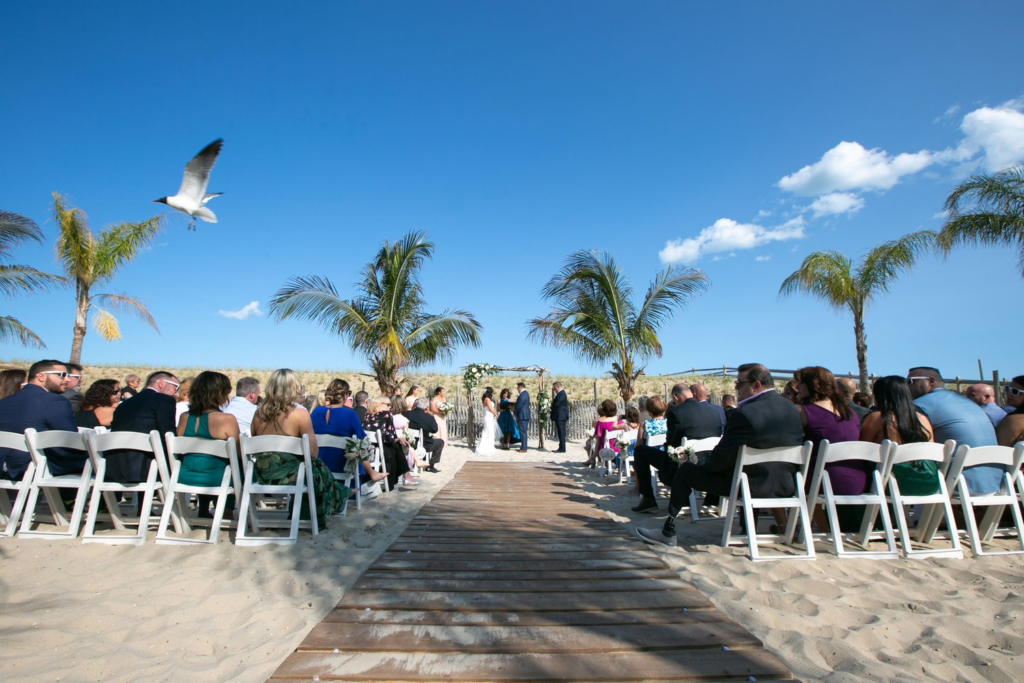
(472, 375)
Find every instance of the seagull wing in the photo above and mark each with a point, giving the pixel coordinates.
(197, 172)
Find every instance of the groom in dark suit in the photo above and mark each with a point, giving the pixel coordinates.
(560, 414)
(152, 408)
(764, 419)
(521, 412)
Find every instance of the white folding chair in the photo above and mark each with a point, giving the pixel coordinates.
(698, 446)
(350, 480)
(941, 454)
(377, 461)
(156, 483)
(11, 510)
(740, 496)
(655, 441)
(50, 484)
(250, 516)
(625, 459)
(996, 502)
(418, 449)
(176, 505)
(873, 499)
(609, 439)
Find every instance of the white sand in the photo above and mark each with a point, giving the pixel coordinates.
(76, 612)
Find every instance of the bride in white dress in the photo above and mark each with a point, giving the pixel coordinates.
(486, 445)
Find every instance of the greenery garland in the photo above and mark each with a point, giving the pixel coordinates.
(476, 372)
(543, 409)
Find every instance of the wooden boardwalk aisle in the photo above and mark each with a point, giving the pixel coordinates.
(511, 574)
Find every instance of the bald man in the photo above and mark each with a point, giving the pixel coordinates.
(984, 396)
(700, 392)
(847, 387)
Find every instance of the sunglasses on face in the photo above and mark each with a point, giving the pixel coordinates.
(60, 373)
(1013, 391)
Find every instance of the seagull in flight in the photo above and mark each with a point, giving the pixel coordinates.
(192, 195)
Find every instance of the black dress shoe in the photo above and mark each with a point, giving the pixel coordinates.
(432, 469)
(645, 505)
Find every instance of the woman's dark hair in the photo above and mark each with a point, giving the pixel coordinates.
(607, 408)
(821, 385)
(488, 393)
(210, 390)
(11, 381)
(99, 393)
(862, 399)
(411, 390)
(437, 391)
(655, 406)
(632, 415)
(505, 393)
(896, 407)
(1018, 380)
(337, 391)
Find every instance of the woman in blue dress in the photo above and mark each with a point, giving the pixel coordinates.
(337, 419)
(506, 421)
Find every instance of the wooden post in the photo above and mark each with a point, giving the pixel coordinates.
(540, 390)
(364, 386)
(958, 384)
(595, 392)
(664, 391)
(1000, 394)
(981, 373)
(470, 431)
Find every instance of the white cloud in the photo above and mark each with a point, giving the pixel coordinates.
(836, 203)
(849, 166)
(993, 137)
(763, 213)
(250, 309)
(726, 235)
(763, 258)
(948, 114)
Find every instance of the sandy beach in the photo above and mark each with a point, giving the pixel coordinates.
(74, 612)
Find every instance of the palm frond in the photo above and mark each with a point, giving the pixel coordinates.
(311, 298)
(15, 229)
(11, 330)
(76, 245)
(825, 275)
(123, 303)
(17, 279)
(887, 261)
(672, 289)
(121, 243)
(1001, 192)
(106, 325)
(559, 330)
(435, 337)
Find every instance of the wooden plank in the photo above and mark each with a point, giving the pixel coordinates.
(327, 636)
(488, 545)
(532, 565)
(616, 666)
(523, 602)
(609, 617)
(453, 585)
(514, 555)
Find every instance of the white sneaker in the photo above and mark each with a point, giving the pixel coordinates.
(369, 491)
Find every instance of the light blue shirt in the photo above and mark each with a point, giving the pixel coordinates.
(994, 412)
(961, 419)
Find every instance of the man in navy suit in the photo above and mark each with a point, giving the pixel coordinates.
(559, 414)
(763, 419)
(41, 406)
(152, 408)
(700, 392)
(521, 412)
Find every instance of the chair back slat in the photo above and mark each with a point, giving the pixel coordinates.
(251, 445)
(853, 450)
(657, 440)
(182, 445)
(14, 441)
(333, 441)
(57, 439)
(699, 445)
(793, 455)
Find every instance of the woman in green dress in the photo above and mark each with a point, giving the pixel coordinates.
(204, 420)
(279, 414)
(899, 421)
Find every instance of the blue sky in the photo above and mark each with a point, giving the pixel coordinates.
(731, 137)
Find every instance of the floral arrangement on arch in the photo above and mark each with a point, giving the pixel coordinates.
(476, 372)
(543, 409)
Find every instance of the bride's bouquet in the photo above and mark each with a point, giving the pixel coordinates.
(682, 454)
(445, 407)
(357, 451)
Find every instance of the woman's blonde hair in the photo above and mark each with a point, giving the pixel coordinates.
(282, 392)
(337, 392)
(376, 404)
(398, 405)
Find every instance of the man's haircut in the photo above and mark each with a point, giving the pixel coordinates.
(655, 406)
(43, 366)
(699, 391)
(360, 397)
(926, 371)
(847, 387)
(129, 378)
(757, 373)
(520, 384)
(246, 386)
(556, 385)
(157, 376)
(74, 367)
(421, 403)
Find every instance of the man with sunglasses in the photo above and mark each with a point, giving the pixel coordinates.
(958, 418)
(41, 406)
(152, 408)
(71, 391)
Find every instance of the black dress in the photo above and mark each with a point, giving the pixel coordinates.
(394, 455)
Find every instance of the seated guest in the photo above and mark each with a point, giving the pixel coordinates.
(700, 392)
(131, 386)
(152, 408)
(401, 424)
(863, 400)
(689, 419)
(420, 419)
(243, 403)
(359, 405)
(204, 420)
(728, 402)
(11, 381)
(985, 396)
(764, 419)
(899, 421)
(379, 419)
(98, 404)
(607, 421)
(279, 413)
(848, 390)
(73, 392)
(957, 418)
(790, 393)
(1011, 428)
(334, 418)
(655, 424)
(181, 407)
(40, 406)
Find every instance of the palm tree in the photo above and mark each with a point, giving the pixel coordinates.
(830, 276)
(386, 322)
(988, 210)
(90, 260)
(14, 279)
(594, 315)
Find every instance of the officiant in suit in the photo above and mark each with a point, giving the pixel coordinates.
(521, 412)
(152, 408)
(559, 414)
